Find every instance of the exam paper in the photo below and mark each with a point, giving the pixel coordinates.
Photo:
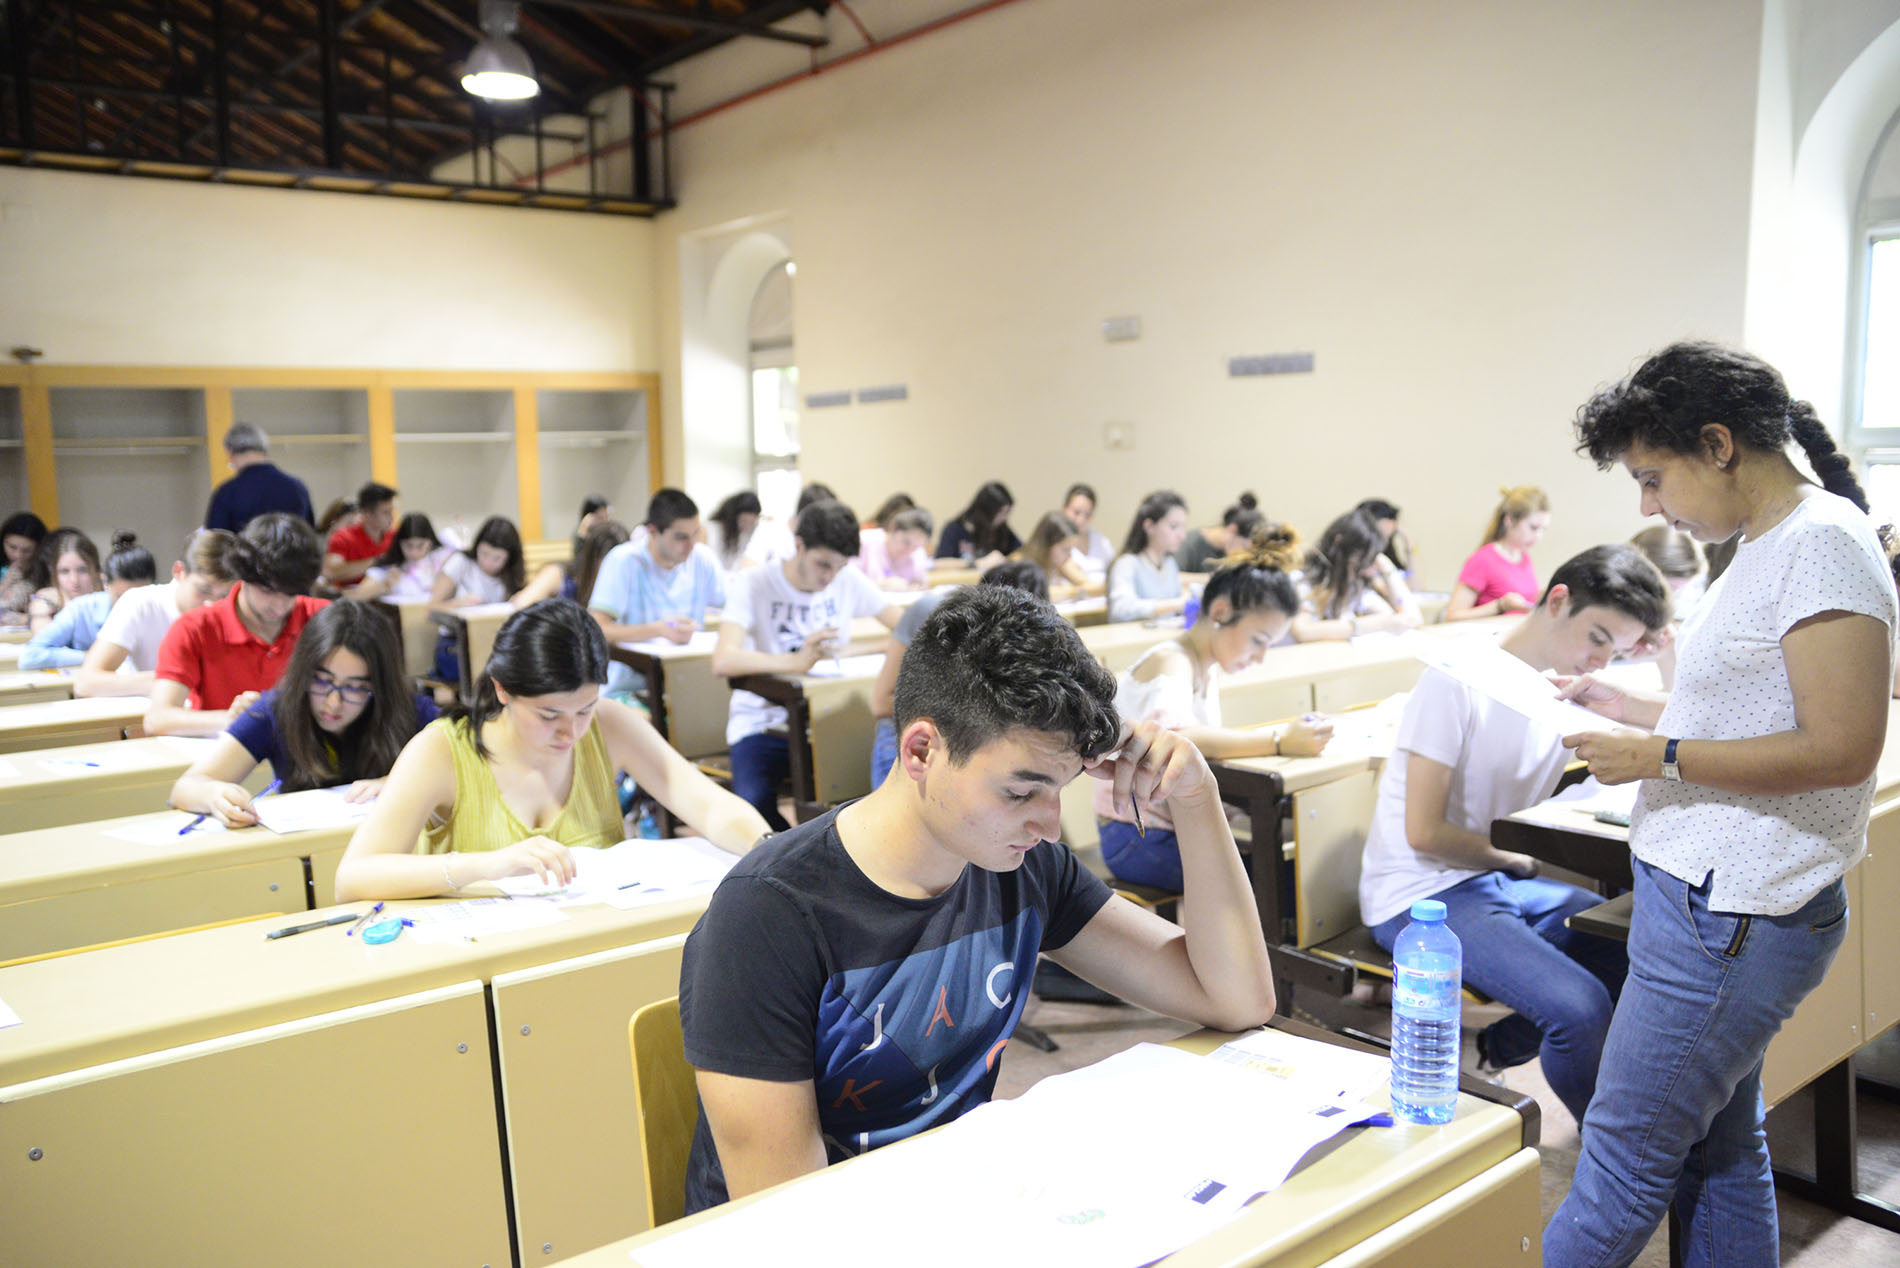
(8, 770)
(165, 829)
(1590, 796)
(865, 666)
(7, 1016)
(480, 918)
(484, 609)
(94, 761)
(1056, 1179)
(1490, 670)
(284, 813)
(190, 746)
(1310, 1072)
(700, 644)
(634, 873)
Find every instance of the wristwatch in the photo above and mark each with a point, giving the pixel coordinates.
(1671, 771)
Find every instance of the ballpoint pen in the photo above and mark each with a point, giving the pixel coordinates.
(363, 920)
(194, 823)
(343, 919)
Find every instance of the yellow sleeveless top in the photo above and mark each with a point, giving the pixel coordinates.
(481, 820)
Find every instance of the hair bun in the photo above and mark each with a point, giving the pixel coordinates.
(123, 539)
(1248, 502)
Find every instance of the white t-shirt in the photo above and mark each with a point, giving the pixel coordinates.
(1770, 855)
(413, 580)
(1501, 762)
(138, 622)
(1167, 699)
(777, 616)
(470, 579)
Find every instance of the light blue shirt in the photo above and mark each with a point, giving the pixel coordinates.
(633, 590)
(63, 644)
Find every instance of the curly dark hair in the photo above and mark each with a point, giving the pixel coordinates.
(991, 660)
(1687, 386)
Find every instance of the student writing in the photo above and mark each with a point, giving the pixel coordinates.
(63, 643)
(1499, 577)
(1144, 581)
(122, 658)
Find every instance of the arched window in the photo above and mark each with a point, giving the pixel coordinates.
(1876, 411)
(774, 365)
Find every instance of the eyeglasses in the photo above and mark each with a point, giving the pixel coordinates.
(322, 687)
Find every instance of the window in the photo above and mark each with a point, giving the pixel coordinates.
(775, 475)
(1880, 362)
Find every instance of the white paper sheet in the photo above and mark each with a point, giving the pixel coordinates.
(1056, 1178)
(1310, 1072)
(166, 829)
(480, 918)
(700, 644)
(94, 761)
(284, 813)
(1494, 672)
(8, 770)
(193, 747)
(29, 678)
(1590, 796)
(7, 1016)
(633, 874)
(484, 609)
(865, 666)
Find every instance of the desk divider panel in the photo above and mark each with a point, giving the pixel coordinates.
(1879, 931)
(150, 906)
(1330, 823)
(363, 1135)
(1828, 1024)
(1365, 685)
(841, 732)
(1493, 1219)
(697, 702)
(567, 1092)
(1255, 704)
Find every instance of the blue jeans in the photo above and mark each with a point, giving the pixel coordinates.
(883, 750)
(1153, 860)
(1678, 1112)
(1562, 984)
(760, 764)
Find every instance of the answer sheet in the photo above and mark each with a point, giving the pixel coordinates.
(474, 918)
(634, 873)
(166, 829)
(1056, 1178)
(284, 813)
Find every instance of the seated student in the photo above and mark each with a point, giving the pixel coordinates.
(1097, 552)
(1499, 576)
(897, 555)
(407, 570)
(980, 537)
(66, 567)
(1052, 546)
(783, 620)
(1398, 546)
(658, 586)
(1463, 760)
(1176, 684)
(215, 661)
(505, 788)
(1204, 549)
(122, 658)
(489, 571)
(1675, 555)
(20, 536)
(1017, 574)
(339, 715)
(575, 578)
(595, 511)
(1144, 582)
(915, 915)
(63, 643)
(888, 510)
(354, 549)
(1352, 588)
(730, 533)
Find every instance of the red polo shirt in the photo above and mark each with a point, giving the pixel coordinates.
(209, 651)
(352, 543)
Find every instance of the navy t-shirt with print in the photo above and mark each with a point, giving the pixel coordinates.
(256, 728)
(897, 1009)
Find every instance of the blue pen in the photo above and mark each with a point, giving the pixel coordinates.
(363, 920)
(194, 823)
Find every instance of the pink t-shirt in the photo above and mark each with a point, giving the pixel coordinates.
(874, 559)
(1491, 575)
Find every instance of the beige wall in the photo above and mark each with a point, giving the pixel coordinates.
(102, 269)
(1471, 212)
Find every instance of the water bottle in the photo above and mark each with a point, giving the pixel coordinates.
(1427, 977)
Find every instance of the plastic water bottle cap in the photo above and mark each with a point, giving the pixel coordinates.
(1429, 910)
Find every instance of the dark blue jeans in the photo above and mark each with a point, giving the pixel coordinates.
(760, 763)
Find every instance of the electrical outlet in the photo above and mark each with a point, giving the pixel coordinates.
(1118, 435)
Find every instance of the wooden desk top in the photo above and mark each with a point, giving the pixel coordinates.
(29, 686)
(14, 634)
(10, 654)
(97, 1006)
(44, 725)
(1368, 1181)
(61, 771)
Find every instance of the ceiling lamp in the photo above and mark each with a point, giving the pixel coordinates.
(498, 68)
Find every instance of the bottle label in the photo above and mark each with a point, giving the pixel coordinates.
(1422, 990)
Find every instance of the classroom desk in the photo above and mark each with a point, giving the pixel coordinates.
(15, 634)
(52, 787)
(472, 629)
(415, 631)
(687, 701)
(1857, 1001)
(1464, 1193)
(33, 686)
(57, 723)
(10, 655)
(215, 1097)
(80, 884)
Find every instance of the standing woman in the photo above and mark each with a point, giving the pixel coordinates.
(339, 715)
(506, 787)
(1499, 577)
(1754, 804)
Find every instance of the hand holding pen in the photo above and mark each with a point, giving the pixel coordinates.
(232, 806)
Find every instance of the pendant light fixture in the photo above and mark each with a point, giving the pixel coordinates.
(498, 68)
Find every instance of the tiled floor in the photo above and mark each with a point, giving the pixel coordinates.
(1811, 1236)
